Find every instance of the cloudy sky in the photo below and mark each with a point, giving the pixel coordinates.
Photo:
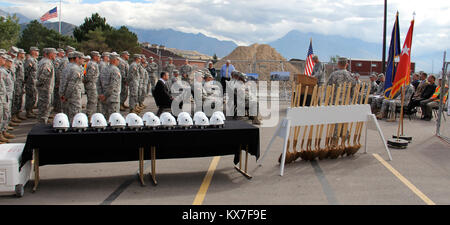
(250, 21)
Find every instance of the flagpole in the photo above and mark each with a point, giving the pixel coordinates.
(59, 16)
(384, 38)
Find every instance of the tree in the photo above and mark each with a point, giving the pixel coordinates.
(334, 59)
(122, 40)
(37, 35)
(90, 24)
(9, 30)
(95, 42)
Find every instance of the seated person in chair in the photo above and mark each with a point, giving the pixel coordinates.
(433, 102)
(424, 91)
(392, 104)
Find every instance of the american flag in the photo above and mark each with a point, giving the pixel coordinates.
(309, 62)
(53, 13)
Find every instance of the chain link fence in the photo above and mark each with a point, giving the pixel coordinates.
(443, 112)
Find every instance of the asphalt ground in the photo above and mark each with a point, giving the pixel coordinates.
(417, 175)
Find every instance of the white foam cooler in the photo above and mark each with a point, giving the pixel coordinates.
(13, 180)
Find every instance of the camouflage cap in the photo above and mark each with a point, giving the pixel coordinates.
(8, 58)
(60, 50)
(114, 55)
(49, 50)
(34, 49)
(2, 51)
(70, 48)
(71, 55)
(170, 58)
(14, 50)
(380, 75)
(125, 53)
(136, 56)
(86, 57)
(150, 57)
(21, 51)
(208, 75)
(78, 54)
(235, 73)
(175, 71)
(95, 53)
(342, 60)
(243, 76)
(107, 54)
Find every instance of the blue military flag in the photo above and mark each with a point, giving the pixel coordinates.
(394, 51)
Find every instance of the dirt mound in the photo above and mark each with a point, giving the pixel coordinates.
(267, 60)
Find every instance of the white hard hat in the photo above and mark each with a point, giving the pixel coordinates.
(61, 122)
(98, 121)
(219, 113)
(116, 120)
(200, 119)
(150, 120)
(134, 121)
(167, 119)
(216, 120)
(184, 119)
(80, 121)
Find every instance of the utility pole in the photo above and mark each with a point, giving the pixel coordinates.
(384, 38)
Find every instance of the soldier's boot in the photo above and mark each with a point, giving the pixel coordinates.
(391, 118)
(122, 108)
(381, 115)
(16, 119)
(3, 139)
(13, 124)
(51, 116)
(21, 117)
(30, 115)
(135, 110)
(8, 135)
(125, 106)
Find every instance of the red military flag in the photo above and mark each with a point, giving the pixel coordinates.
(404, 66)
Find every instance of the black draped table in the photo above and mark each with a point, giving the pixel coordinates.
(51, 148)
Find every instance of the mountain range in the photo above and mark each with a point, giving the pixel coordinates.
(292, 45)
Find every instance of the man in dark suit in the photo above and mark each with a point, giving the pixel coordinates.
(162, 95)
(424, 91)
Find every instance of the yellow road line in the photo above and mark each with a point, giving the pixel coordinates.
(405, 181)
(206, 181)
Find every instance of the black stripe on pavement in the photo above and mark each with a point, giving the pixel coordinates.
(113, 196)
(329, 193)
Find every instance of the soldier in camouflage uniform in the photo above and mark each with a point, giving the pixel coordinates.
(102, 82)
(377, 99)
(186, 70)
(341, 76)
(318, 71)
(133, 83)
(19, 86)
(392, 104)
(152, 69)
(90, 83)
(71, 91)
(31, 67)
(143, 82)
(124, 67)
(7, 79)
(338, 77)
(170, 67)
(213, 95)
(3, 96)
(112, 89)
(45, 84)
(60, 59)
